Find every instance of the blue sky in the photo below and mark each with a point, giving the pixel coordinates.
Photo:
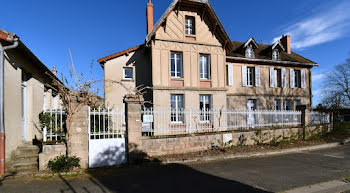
(92, 29)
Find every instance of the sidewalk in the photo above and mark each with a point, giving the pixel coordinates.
(326, 187)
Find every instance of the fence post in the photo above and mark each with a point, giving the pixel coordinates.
(133, 105)
(304, 117)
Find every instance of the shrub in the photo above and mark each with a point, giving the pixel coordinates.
(63, 163)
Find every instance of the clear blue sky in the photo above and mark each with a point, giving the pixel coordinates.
(93, 29)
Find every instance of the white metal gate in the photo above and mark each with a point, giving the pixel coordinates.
(106, 137)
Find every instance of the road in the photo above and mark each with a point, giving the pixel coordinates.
(268, 174)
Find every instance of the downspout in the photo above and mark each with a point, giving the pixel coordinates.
(2, 118)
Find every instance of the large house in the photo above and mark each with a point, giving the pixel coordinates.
(28, 91)
(189, 61)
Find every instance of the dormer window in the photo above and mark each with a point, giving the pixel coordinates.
(190, 25)
(249, 53)
(275, 55)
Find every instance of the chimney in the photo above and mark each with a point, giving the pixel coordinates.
(54, 71)
(285, 40)
(149, 16)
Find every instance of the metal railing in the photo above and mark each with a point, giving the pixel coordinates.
(106, 123)
(166, 121)
(55, 123)
(317, 118)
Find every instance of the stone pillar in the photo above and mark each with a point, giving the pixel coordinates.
(133, 105)
(79, 136)
(304, 117)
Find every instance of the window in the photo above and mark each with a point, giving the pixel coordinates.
(297, 79)
(288, 105)
(252, 104)
(278, 78)
(278, 105)
(275, 55)
(205, 106)
(176, 65)
(128, 73)
(250, 76)
(204, 64)
(296, 103)
(190, 25)
(249, 53)
(177, 106)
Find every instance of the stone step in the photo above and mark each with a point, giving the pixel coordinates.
(26, 157)
(21, 167)
(27, 150)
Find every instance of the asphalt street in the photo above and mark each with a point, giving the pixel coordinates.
(267, 174)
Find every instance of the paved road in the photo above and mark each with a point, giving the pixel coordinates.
(269, 174)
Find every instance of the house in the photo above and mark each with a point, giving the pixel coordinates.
(27, 90)
(190, 62)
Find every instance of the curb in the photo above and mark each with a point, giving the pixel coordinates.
(257, 154)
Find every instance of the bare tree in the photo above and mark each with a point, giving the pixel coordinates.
(81, 91)
(337, 87)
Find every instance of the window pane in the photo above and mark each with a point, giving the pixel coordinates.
(128, 73)
(172, 65)
(179, 66)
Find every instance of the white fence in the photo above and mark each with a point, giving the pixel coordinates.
(106, 123)
(164, 121)
(54, 124)
(317, 118)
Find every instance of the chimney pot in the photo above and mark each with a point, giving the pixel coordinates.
(149, 16)
(54, 71)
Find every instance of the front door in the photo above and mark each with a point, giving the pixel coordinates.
(24, 107)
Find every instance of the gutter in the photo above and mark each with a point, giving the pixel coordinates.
(270, 61)
(2, 118)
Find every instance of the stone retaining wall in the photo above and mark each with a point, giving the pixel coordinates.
(50, 152)
(187, 144)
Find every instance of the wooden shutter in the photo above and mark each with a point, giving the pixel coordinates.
(257, 76)
(244, 76)
(230, 74)
(291, 78)
(303, 83)
(272, 78)
(284, 78)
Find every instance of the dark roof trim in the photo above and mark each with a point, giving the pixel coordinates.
(270, 61)
(172, 7)
(116, 55)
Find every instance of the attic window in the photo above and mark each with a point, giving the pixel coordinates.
(190, 25)
(249, 53)
(275, 55)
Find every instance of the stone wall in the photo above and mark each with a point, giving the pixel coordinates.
(187, 144)
(49, 152)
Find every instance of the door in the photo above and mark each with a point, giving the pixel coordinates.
(24, 107)
(251, 107)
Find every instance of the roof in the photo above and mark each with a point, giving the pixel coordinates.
(112, 56)
(172, 7)
(9, 38)
(262, 53)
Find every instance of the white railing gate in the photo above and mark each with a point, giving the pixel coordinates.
(106, 137)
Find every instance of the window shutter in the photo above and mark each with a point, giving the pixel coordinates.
(230, 75)
(291, 78)
(284, 78)
(272, 78)
(244, 76)
(303, 85)
(257, 76)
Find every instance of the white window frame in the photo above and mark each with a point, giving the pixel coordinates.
(204, 75)
(190, 22)
(297, 78)
(278, 104)
(205, 115)
(249, 52)
(174, 56)
(275, 55)
(285, 104)
(177, 109)
(124, 74)
(278, 79)
(250, 76)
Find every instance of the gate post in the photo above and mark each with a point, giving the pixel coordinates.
(304, 118)
(133, 105)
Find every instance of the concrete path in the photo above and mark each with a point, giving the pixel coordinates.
(326, 187)
(267, 174)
